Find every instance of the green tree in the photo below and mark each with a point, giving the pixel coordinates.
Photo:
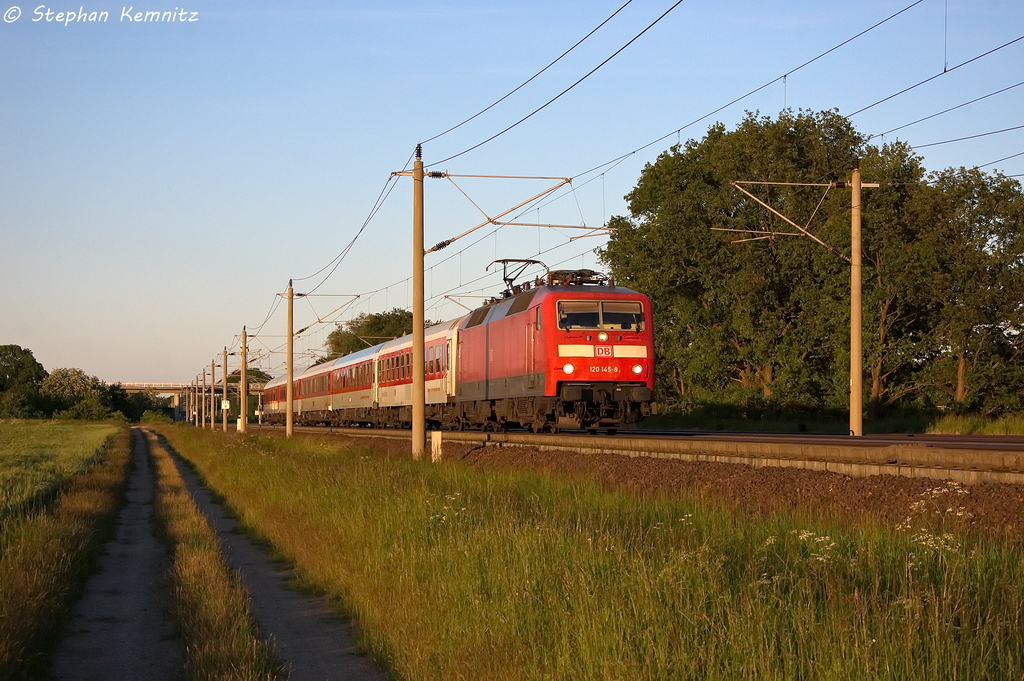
(896, 310)
(73, 394)
(70, 385)
(257, 375)
(973, 225)
(366, 330)
(21, 377)
(747, 323)
(764, 323)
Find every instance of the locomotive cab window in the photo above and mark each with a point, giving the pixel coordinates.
(622, 315)
(609, 315)
(579, 314)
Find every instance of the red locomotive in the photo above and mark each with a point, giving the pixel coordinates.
(571, 350)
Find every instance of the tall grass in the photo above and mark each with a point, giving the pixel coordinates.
(221, 639)
(459, 573)
(46, 554)
(37, 457)
(978, 425)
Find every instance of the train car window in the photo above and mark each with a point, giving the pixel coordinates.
(477, 317)
(521, 302)
(578, 314)
(537, 323)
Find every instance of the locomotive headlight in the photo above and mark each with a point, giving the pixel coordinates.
(568, 368)
(638, 369)
(602, 337)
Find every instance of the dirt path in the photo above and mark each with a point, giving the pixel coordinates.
(314, 643)
(119, 631)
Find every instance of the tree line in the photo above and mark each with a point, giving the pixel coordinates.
(762, 325)
(27, 390)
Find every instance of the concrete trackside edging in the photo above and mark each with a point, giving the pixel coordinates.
(968, 466)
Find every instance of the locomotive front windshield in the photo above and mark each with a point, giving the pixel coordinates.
(607, 315)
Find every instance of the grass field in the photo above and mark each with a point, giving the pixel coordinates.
(459, 573)
(46, 549)
(37, 457)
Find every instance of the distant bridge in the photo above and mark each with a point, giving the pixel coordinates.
(170, 388)
(176, 390)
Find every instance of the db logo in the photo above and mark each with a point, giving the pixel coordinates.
(603, 351)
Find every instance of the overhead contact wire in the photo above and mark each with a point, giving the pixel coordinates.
(528, 81)
(559, 95)
(952, 108)
(969, 137)
(937, 75)
(754, 91)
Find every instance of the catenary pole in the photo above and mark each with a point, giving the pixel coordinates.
(202, 404)
(224, 393)
(213, 395)
(856, 351)
(243, 388)
(289, 418)
(418, 335)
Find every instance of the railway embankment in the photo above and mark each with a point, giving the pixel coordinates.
(970, 462)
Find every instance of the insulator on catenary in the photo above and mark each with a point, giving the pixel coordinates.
(442, 244)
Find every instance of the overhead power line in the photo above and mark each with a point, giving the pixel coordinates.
(556, 97)
(937, 75)
(969, 137)
(952, 108)
(1000, 160)
(752, 92)
(385, 192)
(530, 79)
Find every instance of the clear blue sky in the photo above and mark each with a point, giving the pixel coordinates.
(161, 182)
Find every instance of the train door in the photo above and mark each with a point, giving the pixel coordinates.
(451, 347)
(375, 375)
(531, 352)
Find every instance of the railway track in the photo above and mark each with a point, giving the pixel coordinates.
(965, 459)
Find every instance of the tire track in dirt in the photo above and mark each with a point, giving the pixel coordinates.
(119, 631)
(311, 639)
